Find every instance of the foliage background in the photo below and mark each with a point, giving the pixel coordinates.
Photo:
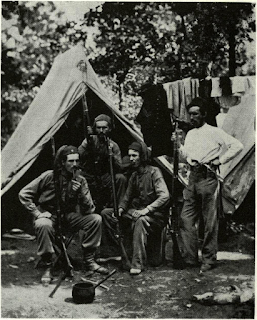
(128, 43)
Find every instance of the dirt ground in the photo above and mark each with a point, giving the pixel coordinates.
(160, 292)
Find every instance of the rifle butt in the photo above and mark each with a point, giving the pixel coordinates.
(178, 261)
(126, 265)
(60, 280)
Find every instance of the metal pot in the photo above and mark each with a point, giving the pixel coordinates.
(83, 292)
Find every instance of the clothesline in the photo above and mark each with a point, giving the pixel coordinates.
(181, 92)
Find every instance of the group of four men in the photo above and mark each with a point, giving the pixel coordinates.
(143, 200)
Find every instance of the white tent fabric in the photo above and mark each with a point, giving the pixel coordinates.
(239, 174)
(240, 123)
(72, 75)
(68, 79)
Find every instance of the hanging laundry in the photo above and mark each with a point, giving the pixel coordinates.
(154, 118)
(213, 108)
(250, 85)
(226, 86)
(238, 85)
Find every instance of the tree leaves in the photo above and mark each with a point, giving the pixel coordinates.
(129, 43)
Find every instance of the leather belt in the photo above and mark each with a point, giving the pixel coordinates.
(203, 170)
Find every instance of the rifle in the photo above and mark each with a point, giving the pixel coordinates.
(178, 262)
(86, 117)
(87, 124)
(61, 238)
(119, 236)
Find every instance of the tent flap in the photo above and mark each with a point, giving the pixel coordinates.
(66, 82)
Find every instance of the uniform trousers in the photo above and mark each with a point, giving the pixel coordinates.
(141, 228)
(110, 244)
(200, 198)
(90, 225)
(101, 190)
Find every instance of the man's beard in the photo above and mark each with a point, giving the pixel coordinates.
(102, 137)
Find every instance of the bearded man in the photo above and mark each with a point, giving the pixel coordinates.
(95, 157)
(77, 209)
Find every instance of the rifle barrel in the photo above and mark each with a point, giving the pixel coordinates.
(115, 206)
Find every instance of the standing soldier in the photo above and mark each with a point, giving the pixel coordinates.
(206, 147)
(77, 208)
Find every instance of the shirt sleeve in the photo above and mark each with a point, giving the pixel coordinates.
(183, 148)
(128, 194)
(29, 194)
(161, 191)
(117, 156)
(82, 149)
(234, 147)
(86, 199)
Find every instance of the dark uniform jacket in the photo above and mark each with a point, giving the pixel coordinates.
(147, 189)
(39, 194)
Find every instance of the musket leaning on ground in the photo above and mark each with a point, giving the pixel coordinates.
(91, 147)
(63, 244)
(125, 259)
(178, 261)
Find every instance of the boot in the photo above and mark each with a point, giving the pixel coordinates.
(91, 265)
(47, 276)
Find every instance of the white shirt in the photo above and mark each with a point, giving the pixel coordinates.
(207, 143)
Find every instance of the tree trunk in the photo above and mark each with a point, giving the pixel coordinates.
(232, 52)
(120, 95)
(232, 42)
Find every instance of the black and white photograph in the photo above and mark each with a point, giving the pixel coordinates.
(128, 159)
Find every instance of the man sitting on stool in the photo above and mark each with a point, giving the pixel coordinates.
(77, 207)
(144, 206)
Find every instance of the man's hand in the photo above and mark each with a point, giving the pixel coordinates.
(138, 213)
(173, 136)
(176, 137)
(121, 210)
(45, 214)
(89, 130)
(114, 218)
(192, 163)
(215, 162)
(75, 185)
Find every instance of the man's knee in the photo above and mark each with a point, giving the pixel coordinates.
(96, 218)
(43, 223)
(107, 212)
(141, 223)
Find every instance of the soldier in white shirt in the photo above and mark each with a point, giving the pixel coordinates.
(205, 146)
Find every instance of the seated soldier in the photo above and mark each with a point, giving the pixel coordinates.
(94, 155)
(77, 209)
(144, 206)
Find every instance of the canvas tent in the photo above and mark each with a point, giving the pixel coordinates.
(27, 153)
(64, 86)
(57, 111)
